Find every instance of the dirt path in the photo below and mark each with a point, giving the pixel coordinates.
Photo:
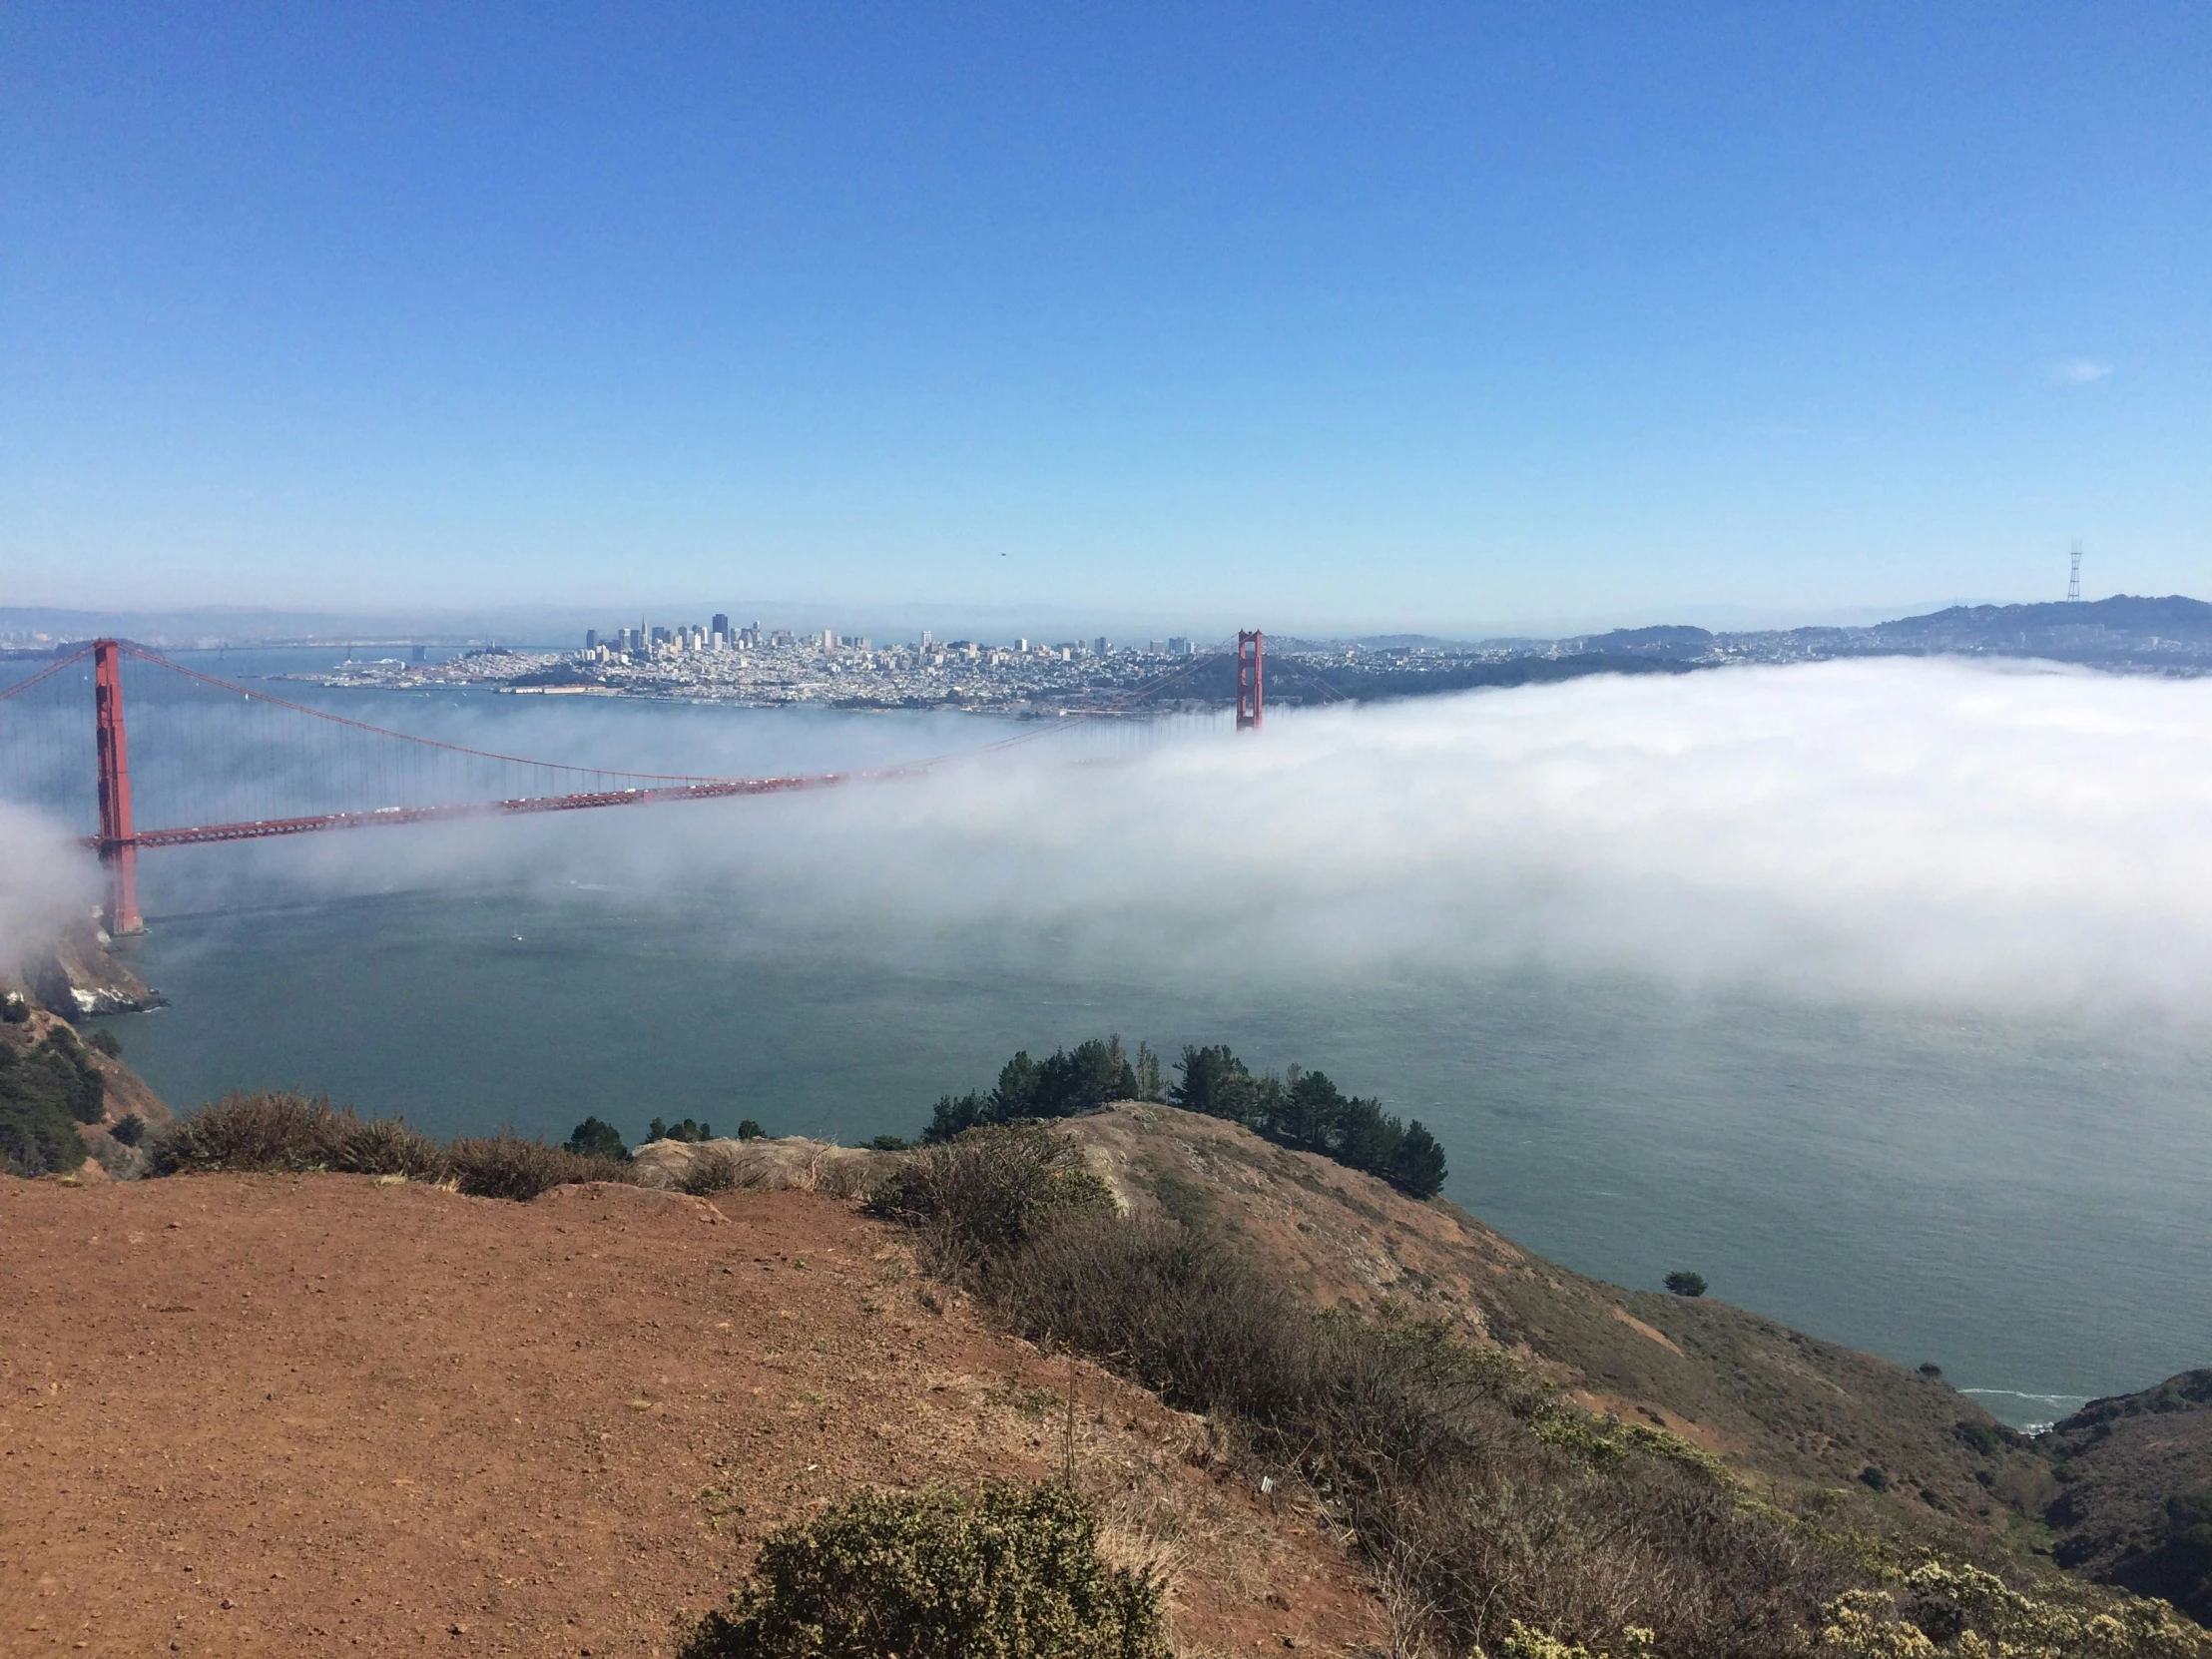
(262, 1414)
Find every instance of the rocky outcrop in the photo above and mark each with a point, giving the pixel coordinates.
(76, 977)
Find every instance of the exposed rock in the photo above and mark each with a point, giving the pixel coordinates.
(76, 977)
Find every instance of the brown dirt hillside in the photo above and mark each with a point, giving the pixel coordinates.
(1771, 1398)
(327, 1414)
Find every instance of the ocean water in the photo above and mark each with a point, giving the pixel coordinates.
(2025, 1200)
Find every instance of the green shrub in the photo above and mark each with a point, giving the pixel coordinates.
(1938, 1606)
(1012, 1574)
(105, 1041)
(14, 1011)
(747, 1130)
(129, 1131)
(507, 1166)
(988, 1192)
(268, 1130)
(886, 1143)
(1875, 1479)
(1684, 1283)
(593, 1138)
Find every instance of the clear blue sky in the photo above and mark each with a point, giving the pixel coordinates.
(1330, 313)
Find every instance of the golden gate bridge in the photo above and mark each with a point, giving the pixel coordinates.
(351, 775)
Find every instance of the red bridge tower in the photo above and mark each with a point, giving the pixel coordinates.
(118, 841)
(1251, 697)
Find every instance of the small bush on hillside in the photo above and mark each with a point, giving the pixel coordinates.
(105, 1041)
(747, 1130)
(990, 1191)
(1686, 1283)
(886, 1143)
(689, 1130)
(14, 1011)
(593, 1138)
(1012, 1574)
(386, 1146)
(507, 1166)
(128, 1131)
(269, 1130)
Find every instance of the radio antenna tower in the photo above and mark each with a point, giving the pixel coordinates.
(2074, 581)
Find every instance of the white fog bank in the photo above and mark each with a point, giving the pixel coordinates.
(1890, 829)
(46, 881)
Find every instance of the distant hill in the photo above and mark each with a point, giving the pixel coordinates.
(2122, 628)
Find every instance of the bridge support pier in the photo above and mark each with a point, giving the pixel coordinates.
(118, 842)
(1251, 695)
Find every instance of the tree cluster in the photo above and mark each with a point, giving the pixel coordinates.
(1068, 1081)
(1305, 1110)
(46, 1090)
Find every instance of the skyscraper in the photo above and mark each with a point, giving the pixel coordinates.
(722, 624)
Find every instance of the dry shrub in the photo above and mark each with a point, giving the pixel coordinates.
(269, 1130)
(507, 1166)
(848, 1172)
(978, 1198)
(386, 1146)
(717, 1169)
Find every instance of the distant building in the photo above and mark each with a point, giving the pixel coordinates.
(591, 638)
(1099, 645)
(720, 623)
(1178, 646)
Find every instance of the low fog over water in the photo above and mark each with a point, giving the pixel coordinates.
(1872, 990)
